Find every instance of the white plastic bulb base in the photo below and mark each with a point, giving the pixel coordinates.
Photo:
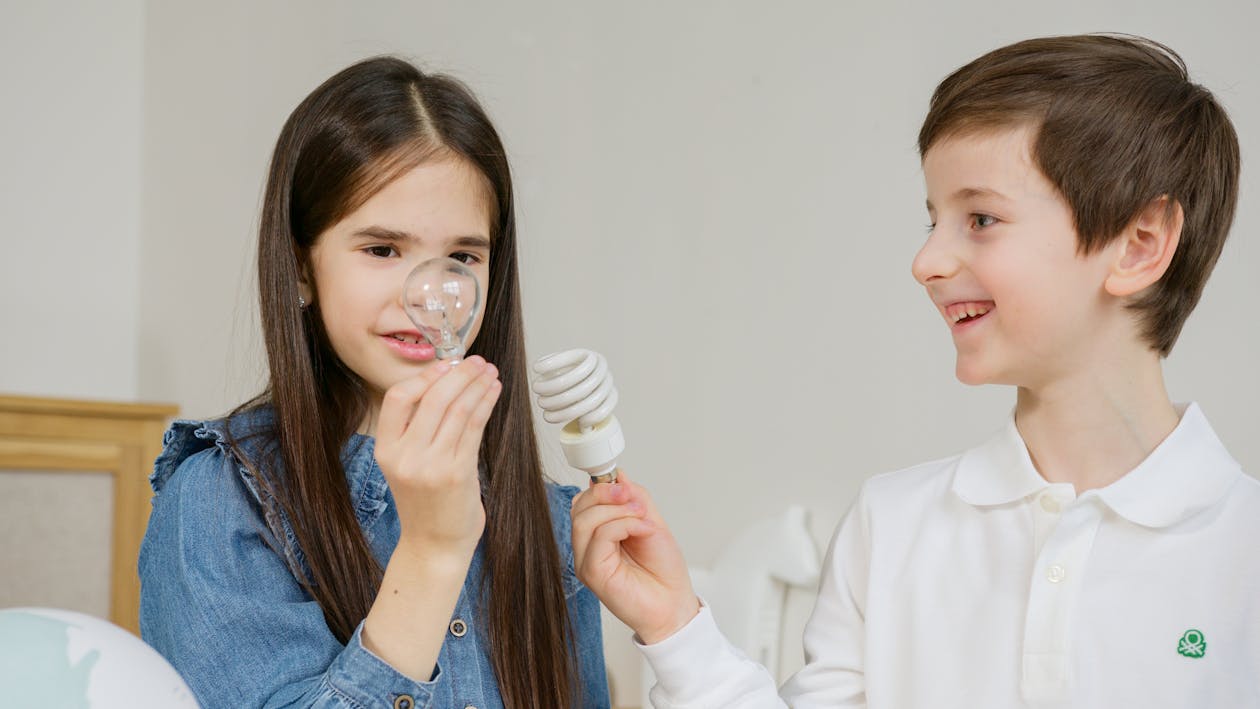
(595, 450)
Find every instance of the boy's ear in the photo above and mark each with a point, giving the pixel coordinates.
(1146, 247)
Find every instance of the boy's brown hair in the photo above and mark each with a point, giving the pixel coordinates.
(1119, 126)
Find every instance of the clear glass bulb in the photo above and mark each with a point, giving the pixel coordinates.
(442, 297)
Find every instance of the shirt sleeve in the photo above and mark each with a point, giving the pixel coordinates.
(698, 668)
(835, 636)
(223, 607)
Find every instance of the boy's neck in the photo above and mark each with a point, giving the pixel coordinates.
(1094, 427)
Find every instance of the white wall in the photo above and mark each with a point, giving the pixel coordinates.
(738, 182)
(70, 132)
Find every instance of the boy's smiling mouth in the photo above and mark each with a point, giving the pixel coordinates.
(968, 311)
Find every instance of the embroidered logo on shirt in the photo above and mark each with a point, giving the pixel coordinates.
(1192, 644)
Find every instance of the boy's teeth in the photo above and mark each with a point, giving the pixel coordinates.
(973, 311)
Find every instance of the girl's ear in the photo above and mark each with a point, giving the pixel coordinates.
(306, 294)
(1146, 247)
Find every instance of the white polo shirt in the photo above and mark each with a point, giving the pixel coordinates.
(972, 582)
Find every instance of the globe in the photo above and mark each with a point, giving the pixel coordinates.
(55, 659)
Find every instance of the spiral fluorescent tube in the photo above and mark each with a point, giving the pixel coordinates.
(575, 388)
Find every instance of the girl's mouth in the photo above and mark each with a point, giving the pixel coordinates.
(409, 346)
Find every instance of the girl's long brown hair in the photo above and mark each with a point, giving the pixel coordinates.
(359, 130)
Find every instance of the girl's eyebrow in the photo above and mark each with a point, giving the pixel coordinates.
(474, 241)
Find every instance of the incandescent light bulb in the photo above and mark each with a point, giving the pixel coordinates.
(442, 297)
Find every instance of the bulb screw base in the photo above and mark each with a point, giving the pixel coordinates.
(605, 478)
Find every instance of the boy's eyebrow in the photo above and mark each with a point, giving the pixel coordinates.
(970, 193)
(394, 235)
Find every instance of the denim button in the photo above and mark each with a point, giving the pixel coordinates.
(404, 701)
(458, 628)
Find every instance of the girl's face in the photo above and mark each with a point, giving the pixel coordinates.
(357, 266)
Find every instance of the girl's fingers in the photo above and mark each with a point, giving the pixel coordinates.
(470, 440)
(592, 518)
(433, 406)
(399, 404)
(461, 409)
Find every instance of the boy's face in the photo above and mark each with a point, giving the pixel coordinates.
(1001, 263)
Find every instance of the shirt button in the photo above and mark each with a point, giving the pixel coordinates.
(404, 701)
(458, 628)
(1055, 573)
(1049, 504)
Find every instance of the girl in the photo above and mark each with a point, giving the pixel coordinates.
(374, 530)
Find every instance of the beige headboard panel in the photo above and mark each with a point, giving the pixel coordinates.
(56, 436)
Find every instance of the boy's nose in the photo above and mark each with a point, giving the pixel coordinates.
(935, 260)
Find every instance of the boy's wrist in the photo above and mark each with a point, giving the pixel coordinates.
(684, 613)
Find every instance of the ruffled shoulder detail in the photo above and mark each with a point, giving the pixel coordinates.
(233, 440)
(234, 436)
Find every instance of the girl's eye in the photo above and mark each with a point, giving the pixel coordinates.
(381, 251)
(465, 257)
(983, 220)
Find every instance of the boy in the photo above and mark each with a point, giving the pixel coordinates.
(1100, 551)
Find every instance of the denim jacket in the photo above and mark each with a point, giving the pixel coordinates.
(223, 606)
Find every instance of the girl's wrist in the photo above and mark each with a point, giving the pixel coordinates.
(440, 557)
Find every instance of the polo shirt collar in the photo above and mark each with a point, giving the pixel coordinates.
(999, 471)
(1188, 472)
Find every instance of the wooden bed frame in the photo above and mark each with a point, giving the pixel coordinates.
(62, 435)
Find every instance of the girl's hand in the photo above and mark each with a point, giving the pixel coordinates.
(427, 439)
(625, 554)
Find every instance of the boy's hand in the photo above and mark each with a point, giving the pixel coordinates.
(427, 441)
(625, 554)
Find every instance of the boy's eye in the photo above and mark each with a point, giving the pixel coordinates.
(381, 251)
(465, 257)
(983, 220)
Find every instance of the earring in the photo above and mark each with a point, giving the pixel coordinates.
(301, 303)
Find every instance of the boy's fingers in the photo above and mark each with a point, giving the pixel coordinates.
(640, 494)
(605, 546)
(601, 494)
(399, 404)
(586, 523)
(622, 491)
